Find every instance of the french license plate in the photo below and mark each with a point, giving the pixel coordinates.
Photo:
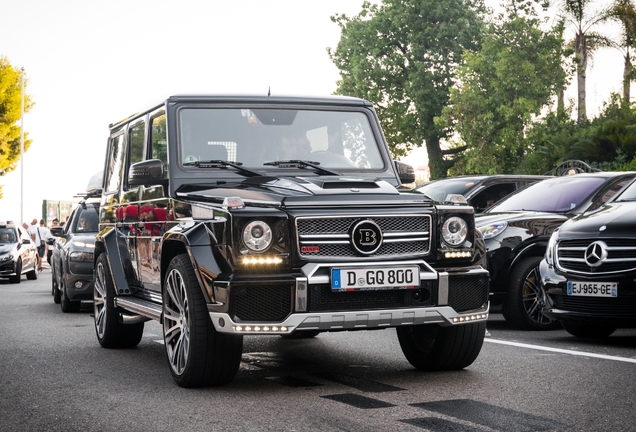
(593, 289)
(378, 278)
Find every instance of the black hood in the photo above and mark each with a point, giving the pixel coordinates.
(302, 191)
(611, 220)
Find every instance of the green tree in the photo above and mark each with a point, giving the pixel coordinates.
(582, 19)
(402, 55)
(10, 111)
(502, 88)
(624, 12)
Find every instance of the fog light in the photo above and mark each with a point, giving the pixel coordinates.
(79, 284)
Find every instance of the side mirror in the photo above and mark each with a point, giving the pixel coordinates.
(148, 172)
(405, 172)
(57, 231)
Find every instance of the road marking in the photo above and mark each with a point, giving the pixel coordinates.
(563, 351)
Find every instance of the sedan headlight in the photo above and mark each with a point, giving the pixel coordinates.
(257, 236)
(81, 257)
(550, 252)
(6, 257)
(493, 230)
(454, 231)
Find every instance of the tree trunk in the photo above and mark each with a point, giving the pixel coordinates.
(436, 165)
(581, 70)
(626, 81)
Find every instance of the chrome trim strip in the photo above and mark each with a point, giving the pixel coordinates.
(442, 289)
(369, 319)
(301, 294)
(138, 306)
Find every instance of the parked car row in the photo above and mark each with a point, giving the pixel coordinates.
(518, 227)
(18, 254)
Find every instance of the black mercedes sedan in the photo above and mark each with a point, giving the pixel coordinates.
(589, 269)
(517, 231)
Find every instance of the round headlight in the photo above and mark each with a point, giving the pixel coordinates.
(454, 231)
(257, 236)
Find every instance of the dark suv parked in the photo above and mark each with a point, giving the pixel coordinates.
(227, 216)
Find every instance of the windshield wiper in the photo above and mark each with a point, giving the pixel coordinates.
(224, 164)
(292, 163)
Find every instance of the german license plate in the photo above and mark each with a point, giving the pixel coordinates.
(593, 289)
(375, 278)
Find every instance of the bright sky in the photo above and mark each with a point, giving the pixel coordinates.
(89, 64)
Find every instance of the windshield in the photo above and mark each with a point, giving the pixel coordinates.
(555, 195)
(8, 235)
(87, 220)
(255, 137)
(438, 190)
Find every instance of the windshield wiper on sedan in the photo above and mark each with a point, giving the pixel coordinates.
(302, 164)
(224, 164)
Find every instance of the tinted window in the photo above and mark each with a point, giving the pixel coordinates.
(87, 220)
(560, 194)
(439, 189)
(8, 235)
(629, 194)
(159, 141)
(115, 164)
(137, 142)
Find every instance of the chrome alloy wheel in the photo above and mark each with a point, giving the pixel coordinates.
(534, 298)
(99, 300)
(176, 325)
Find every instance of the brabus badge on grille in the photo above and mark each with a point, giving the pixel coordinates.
(310, 249)
(366, 237)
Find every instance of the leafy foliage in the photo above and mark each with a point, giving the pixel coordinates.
(502, 89)
(10, 112)
(402, 56)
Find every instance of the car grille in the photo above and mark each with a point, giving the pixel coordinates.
(621, 256)
(404, 236)
(465, 294)
(622, 306)
(262, 303)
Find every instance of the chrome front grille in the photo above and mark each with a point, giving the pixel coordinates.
(328, 237)
(621, 256)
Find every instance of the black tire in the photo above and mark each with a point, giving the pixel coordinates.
(18, 273)
(57, 297)
(198, 355)
(33, 274)
(588, 330)
(525, 298)
(307, 334)
(68, 305)
(429, 347)
(110, 332)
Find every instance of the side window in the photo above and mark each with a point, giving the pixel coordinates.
(137, 142)
(159, 141)
(609, 193)
(115, 163)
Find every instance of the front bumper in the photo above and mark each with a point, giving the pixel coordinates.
(445, 298)
(79, 281)
(7, 268)
(619, 311)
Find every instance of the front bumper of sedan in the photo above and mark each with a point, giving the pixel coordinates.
(619, 311)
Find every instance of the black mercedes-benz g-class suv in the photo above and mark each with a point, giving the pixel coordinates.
(225, 216)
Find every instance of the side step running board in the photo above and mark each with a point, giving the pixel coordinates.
(141, 307)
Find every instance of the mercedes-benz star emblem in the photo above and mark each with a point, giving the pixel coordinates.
(595, 254)
(366, 237)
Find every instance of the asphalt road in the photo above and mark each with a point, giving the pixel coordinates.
(54, 376)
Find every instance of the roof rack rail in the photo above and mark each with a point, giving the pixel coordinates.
(571, 167)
